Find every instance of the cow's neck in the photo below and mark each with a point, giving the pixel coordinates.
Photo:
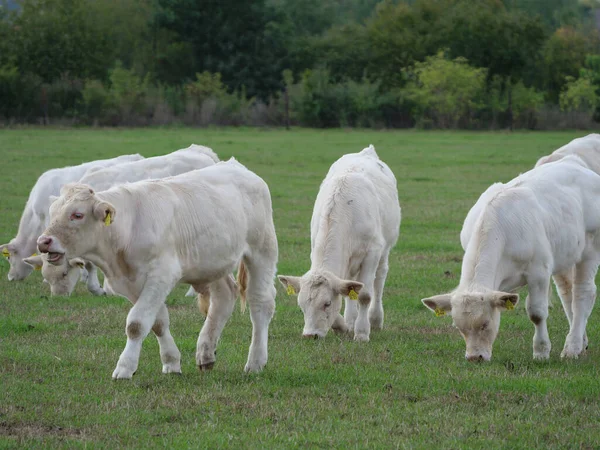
(330, 252)
(482, 259)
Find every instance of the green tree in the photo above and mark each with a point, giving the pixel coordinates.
(56, 37)
(243, 40)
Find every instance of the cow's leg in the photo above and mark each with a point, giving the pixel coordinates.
(261, 301)
(93, 284)
(564, 285)
(362, 327)
(537, 309)
(222, 300)
(584, 297)
(169, 353)
(350, 313)
(376, 308)
(140, 320)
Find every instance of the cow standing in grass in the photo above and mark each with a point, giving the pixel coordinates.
(355, 224)
(544, 222)
(35, 215)
(193, 228)
(62, 274)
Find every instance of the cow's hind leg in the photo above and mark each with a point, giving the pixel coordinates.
(140, 320)
(261, 301)
(222, 301)
(376, 308)
(537, 309)
(564, 285)
(584, 297)
(169, 353)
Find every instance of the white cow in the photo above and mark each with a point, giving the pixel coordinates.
(35, 215)
(355, 224)
(193, 228)
(62, 275)
(544, 222)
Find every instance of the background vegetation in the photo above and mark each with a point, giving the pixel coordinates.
(410, 387)
(319, 63)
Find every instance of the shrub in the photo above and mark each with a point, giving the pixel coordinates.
(446, 93)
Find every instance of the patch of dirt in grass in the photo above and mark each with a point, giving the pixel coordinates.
(25, 430)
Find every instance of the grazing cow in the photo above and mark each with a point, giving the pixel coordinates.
(192, 228)
(544, 222)
(355, 224)
(587, 148)
(35, 214)
(62, 275)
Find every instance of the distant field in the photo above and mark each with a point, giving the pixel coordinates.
(410, 387)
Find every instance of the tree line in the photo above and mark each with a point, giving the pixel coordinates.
(322, 63)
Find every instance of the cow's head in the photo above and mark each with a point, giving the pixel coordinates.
(319, 297)
(477, 317)
(62, 276)
(76, 219)
(15, 253)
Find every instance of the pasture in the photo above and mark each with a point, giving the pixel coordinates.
(410, 387)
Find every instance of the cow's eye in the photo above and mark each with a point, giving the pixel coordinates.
(484, 326)
(327, 304)
(76, 216)
(64, 274)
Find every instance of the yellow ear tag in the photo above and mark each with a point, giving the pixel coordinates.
(5, 253)
(439, 312)
(290, 290)
(352, 295)
(509, 305)
(107, 220)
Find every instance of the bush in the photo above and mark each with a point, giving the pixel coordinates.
(446, 93)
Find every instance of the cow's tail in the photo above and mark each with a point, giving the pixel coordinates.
(204, 301)
(242, 282)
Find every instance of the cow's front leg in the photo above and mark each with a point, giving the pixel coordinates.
(222, 301)
(376, 309)
(362, 327)
(140, 320)
(537, 309)
(93, 284)
(169, 353)
(350, 312)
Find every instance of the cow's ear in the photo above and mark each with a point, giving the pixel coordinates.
(504, 300)
(34, 261)
(439, 304)
(291, 284)
(77, 262)
(104, 212)
(349, 288)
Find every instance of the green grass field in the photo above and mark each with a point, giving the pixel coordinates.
(410, 387)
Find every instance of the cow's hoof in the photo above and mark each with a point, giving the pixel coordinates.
(206, 367)
(172, 368)
(361, 337)
(121, 373)
(568, 353)
(541, 356)
(254, 367)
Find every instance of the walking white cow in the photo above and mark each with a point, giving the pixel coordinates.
(62, 275)
(35, 214)
(544, 222)
(355, 224)
(194, 228)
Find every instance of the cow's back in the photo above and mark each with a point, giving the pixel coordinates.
(587, 148)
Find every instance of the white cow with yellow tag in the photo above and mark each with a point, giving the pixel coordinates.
(62, 274)
(544, 222)
(355, 224)
(35, 214)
